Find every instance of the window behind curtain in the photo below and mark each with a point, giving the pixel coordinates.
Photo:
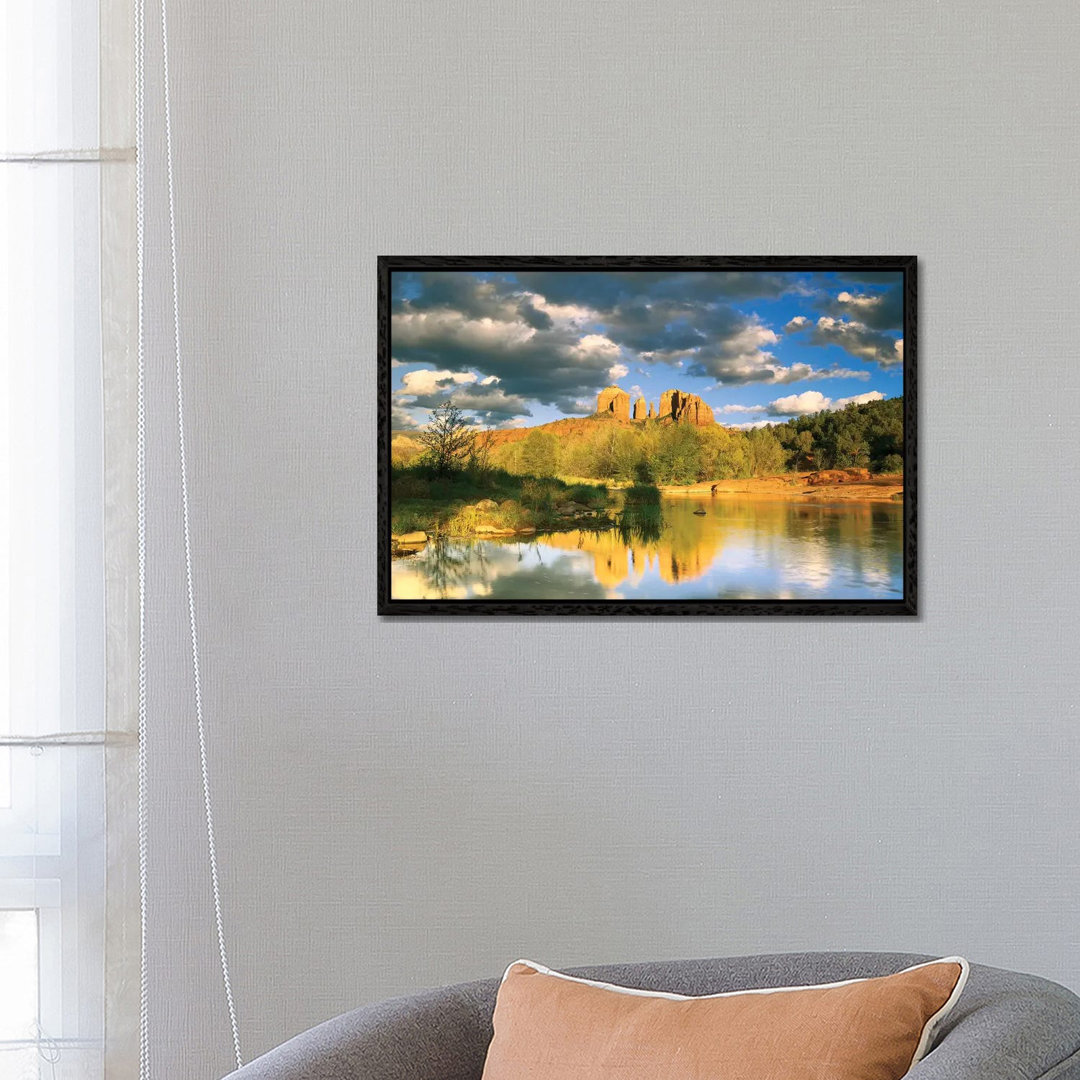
(52, 577)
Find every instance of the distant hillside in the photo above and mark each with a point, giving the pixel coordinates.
(668, 449)
(569, 427)
(572, 425)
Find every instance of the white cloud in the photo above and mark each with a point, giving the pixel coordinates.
(561, 313)
(749, 340)
(877, 310)
(814, 401)
(491, 401)
(743, 409)
(618, 371)
(430, 382)
(750, 425)
(859, 399)
(596, 345)
(859, 304)
(851, 334)
(858, 339)
(843, 373)
(805, 404)
(439, 326)
(424, 381)
(490, 380)
(399, 419)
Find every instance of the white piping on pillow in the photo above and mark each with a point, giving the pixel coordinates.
(921, 1050)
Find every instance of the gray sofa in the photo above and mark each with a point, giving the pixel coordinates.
(1006, 1026)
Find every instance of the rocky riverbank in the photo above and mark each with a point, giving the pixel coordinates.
(827, 486)
(488, 519)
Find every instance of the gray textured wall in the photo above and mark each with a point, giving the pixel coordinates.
(408, 803)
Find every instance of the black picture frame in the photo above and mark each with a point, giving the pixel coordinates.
(905, 606)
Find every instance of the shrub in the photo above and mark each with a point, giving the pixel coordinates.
(643, 495)
(407, 521)
(539, 495)
(463, 521)
(591, 495)
(410, 484)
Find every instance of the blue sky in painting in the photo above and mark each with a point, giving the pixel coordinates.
(525, 348)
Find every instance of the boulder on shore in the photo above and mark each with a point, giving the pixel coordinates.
(487, 504)
(407, 543)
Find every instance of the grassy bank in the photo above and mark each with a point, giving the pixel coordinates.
(475, 502)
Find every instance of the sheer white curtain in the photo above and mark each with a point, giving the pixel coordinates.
(59, 246)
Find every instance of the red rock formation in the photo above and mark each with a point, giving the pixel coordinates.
(685, 408)
(703, 415)
(615, 401)
(639, 409)
(651, 413)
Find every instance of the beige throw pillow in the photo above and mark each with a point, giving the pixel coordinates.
(550, 1026)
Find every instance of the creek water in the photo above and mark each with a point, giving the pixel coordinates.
(737, 548)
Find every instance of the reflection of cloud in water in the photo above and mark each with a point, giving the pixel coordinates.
(740, 548)
(488, 569)
(445, 570)
(565, 578)
(816, 550)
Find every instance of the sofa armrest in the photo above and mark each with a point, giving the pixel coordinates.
(441, 1034)
(1007, 1026)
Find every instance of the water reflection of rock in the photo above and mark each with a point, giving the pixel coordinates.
(678, 554)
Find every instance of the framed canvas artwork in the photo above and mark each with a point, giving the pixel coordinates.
(594, 436)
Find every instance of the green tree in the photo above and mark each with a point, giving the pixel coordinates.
(539, 454)
(765, 452)
(885, 435)
(447, 439)
(678, 455)
(625, 456)
(851, 450)
(478, 456)
(723, 453)
(802, 449)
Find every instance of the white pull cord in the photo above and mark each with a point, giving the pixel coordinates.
(140, 198)
(140, 455)
(197, 680)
